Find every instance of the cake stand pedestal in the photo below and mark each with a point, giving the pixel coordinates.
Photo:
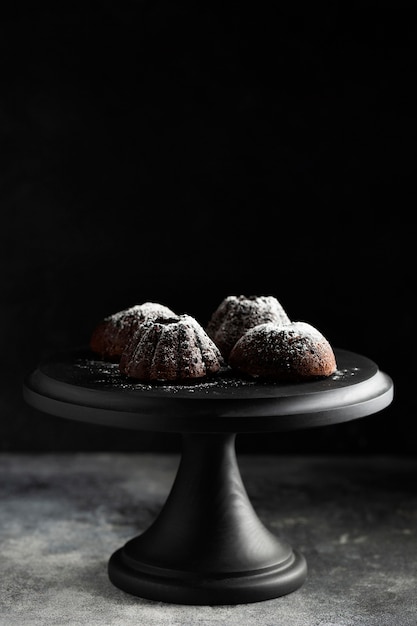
(207, 545)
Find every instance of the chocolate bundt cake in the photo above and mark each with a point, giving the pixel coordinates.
(293, 352)
(175, 348)
(236, 314)
(112, 334)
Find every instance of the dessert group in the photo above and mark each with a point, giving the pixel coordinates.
(251, 335)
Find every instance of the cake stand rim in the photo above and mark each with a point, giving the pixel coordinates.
(169, 413)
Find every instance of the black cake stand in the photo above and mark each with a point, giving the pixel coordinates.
(207, 545)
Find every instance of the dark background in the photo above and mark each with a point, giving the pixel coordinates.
(180, 152)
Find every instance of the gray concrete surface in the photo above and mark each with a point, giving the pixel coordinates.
(62, 516)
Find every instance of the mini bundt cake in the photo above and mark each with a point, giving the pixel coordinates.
(294, 352)
(236, 314)
(176, 348)
(112, 334)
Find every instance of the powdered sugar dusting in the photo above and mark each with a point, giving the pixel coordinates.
(236, 314)
(175, 349)
(102, 374)
(97, 374)
(295, 351)
(345, 373)
(138, 311)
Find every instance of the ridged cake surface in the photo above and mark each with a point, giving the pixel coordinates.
(113, 333)
(171, 349)
(236, 314)
(295, 352)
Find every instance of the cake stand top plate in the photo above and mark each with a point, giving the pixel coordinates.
(77, 385)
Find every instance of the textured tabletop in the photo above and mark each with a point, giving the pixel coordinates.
(61, 517)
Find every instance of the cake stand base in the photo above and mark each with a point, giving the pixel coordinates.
(207, 545)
